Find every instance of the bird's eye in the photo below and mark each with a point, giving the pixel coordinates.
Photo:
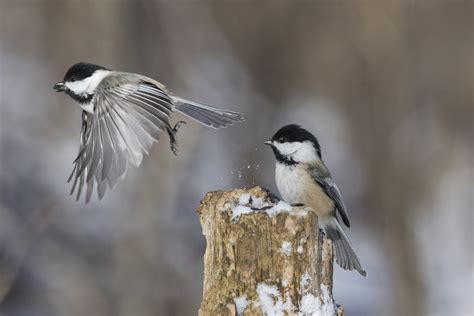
(281, 140)
(72, 79)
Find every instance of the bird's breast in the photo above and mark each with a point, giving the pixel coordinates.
(290, 182)
(89, 107)
(297, 186)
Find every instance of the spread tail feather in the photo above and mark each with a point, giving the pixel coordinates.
(205, 114)
(346, 257)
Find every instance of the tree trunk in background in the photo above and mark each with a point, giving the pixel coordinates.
(263, 262)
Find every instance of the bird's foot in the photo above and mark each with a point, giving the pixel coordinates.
(261, 209)
(297, 205)
(173, 138)
(273, 197)
(178, 125)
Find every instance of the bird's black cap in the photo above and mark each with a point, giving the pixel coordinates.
(80, 71)
(295, 133)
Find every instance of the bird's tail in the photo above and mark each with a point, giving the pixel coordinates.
(346, 257)
(205, 114)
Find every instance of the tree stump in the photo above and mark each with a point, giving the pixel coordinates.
(263, 258)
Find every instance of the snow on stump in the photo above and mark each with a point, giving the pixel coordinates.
(263, 259)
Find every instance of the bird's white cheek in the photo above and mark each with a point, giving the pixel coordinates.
(87, 85)
(78, 87)
(298, 151)
(286, 149)
(96, 79)
(305, 153)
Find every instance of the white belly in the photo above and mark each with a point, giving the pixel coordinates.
(296, 186)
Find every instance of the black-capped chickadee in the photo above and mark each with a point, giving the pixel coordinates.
(123, 115)
(302, 178)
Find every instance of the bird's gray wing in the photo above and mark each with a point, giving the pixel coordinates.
(129, 116)
(321, 175)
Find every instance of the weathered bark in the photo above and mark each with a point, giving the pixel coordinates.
(263, 262)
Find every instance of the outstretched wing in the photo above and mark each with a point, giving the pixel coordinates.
(321, 175)
(128, 118)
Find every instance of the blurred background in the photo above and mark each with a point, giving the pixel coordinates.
(387, 87)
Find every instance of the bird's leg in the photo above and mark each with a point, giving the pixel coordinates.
(173, 139)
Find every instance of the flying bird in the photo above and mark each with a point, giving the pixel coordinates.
(302, 178)
(123, 115)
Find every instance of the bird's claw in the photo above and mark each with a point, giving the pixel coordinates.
(173, 139)
(178, 125)
(273, 198)
(297, 205)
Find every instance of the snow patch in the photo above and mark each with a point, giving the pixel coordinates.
(258, 202)
(327, 307)
(248, 204)
(241, 304)
(272, 302)
(244, 199)
(299, 249)
(311, 305)
(286, 248)
(303, 241)
(280, 207)
(240, 210)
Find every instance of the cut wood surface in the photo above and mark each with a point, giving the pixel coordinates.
(263, 258)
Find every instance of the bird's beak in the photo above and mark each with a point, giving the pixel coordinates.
(59, 87)
(268, 142)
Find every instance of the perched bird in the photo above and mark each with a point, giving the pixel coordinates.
(302, 178)
(123, 115)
